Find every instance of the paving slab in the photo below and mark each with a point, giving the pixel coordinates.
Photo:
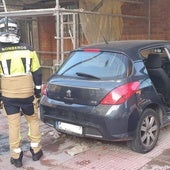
(65, 152)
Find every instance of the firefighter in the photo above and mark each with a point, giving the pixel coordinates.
(21, 80)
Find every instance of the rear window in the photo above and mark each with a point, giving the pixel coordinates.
(101, 65)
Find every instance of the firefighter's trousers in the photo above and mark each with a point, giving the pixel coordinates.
(15, 139)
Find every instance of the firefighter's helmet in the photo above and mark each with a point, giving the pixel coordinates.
(9, 31)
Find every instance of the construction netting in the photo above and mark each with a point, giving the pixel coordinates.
(98, 28)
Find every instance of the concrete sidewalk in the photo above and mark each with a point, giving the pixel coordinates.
(64, 152)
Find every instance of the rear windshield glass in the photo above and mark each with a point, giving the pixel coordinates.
(101, 65)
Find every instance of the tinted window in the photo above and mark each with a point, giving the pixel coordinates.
(104, 65)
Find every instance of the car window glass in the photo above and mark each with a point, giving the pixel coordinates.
(104, 65)
(159, 50)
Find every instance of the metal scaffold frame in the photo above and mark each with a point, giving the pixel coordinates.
(4, 5)
(59, 14)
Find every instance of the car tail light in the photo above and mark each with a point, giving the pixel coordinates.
(43, 89)
(120, 94)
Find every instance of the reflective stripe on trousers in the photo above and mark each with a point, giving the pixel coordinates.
(34, 134)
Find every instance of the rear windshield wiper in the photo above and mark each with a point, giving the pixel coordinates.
(81, 63)
(87, 75)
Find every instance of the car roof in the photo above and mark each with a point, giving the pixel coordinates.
(128, 47)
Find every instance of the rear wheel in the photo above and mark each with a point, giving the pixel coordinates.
(147, 132)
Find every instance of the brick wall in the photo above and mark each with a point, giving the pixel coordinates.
(160, 19)
(138, 28)
(47, 34)
(47, 44)
(133, 28)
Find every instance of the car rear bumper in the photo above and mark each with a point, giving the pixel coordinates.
(103, 122)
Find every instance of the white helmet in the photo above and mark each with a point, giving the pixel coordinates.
(9, 32)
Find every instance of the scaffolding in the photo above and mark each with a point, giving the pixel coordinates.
(60, 15)
(3, 6)
(71, 14)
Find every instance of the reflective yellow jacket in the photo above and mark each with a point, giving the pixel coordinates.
(20, 70)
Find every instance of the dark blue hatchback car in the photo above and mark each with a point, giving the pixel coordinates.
(112, 91)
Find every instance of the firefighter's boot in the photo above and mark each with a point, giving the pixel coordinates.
(36, 156)
(17, 162)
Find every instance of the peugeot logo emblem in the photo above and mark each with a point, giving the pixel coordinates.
(68, 93)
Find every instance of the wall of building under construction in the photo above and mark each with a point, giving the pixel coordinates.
(89, 33)
(145, 20)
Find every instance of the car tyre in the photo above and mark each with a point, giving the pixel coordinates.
(147, 132)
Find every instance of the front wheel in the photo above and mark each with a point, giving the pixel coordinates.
(147, 132)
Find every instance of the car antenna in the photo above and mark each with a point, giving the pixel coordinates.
(105, 40)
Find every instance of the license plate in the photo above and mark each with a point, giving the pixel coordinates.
(69, 127)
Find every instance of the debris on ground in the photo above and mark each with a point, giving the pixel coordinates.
(77, 149)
